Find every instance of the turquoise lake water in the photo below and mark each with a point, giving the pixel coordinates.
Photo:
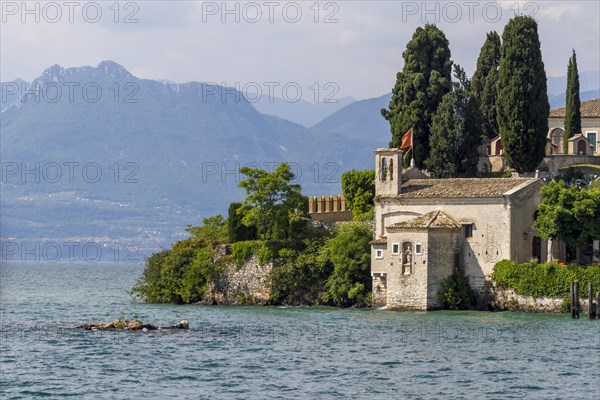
(268, 352)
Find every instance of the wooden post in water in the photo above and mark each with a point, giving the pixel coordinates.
(572, 299)
(598, 305)
(576, 298)
(591, 311)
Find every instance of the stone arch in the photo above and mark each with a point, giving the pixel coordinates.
(499, 147)
(581, 147)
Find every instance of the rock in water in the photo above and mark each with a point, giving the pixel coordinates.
(131, 325)
(183, 324)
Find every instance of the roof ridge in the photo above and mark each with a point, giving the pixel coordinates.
(434, 217)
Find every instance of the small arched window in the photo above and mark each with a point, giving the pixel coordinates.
(384, 168)
(391, 169)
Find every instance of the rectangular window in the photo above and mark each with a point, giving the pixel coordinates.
(592, 137)
(378, 254)
(468, 230)
(418, 248)
(396, 248)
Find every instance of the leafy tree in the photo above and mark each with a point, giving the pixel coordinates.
(419, 88)
(483, 85)
(179, 275)
(271, 199)
(349, 251)
(522, 103)
(213, 229)
(455, 131)
(573, 106)
(358, 188)
(569, 213)
(456, 292)
(236, 230)
(299, 276)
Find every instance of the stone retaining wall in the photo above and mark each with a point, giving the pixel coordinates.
(245, 284)
(507, 299)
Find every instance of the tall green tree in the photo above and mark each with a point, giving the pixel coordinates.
(483, 84)
(419, 88)
(271, 198)
(522, 103)
(349, 251)
(569, 213)
(573, 106)
(456, 131)
(236, 230)
(358, 188)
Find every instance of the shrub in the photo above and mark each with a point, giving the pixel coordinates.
(550, 279)
(456, 292)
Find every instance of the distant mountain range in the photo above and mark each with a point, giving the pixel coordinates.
(589, 87)
(95, 153)
(98, 153)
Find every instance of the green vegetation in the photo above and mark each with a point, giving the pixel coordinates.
(180, 275)
(236, 230)
(573, 106)
(456, 292)
(483, 85)
(349, 251)
(300, 275)
(455, 131)
(419, 88)
(522, 103)
(551, 279)
(272, 202)
(358, 188)
(569, 213)
(311, 265)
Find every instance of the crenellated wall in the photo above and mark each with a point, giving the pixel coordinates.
(328, 209)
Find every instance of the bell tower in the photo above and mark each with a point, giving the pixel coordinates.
(388, 172)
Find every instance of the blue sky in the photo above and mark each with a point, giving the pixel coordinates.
(357, 45)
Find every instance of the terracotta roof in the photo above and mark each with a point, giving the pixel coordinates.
(589, 109)
(459, 187)
(433, 220)
(378, 241)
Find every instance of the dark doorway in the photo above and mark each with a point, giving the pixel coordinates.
(536, 248)
(581, 148)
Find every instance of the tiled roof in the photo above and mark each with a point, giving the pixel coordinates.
(378, 241)
(433, 220)
(589, 109)
(459, 187)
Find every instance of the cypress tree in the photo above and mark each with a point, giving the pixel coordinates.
(419, 88)
(483, 84)
(455, 131)
(236, 230)
(522, 104)
(573, 106)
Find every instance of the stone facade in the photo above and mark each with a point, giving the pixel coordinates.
(443, 224)
(248, 283)
(590, 129)
(583, 148)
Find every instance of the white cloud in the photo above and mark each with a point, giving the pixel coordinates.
(361, 52)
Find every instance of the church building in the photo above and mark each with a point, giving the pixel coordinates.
(425, 228)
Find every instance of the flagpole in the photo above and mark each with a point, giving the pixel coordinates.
(412, 149)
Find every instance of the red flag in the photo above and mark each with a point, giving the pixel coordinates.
(407, 139)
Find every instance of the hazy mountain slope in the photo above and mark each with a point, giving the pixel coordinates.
(128, 159)
(300, 112)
